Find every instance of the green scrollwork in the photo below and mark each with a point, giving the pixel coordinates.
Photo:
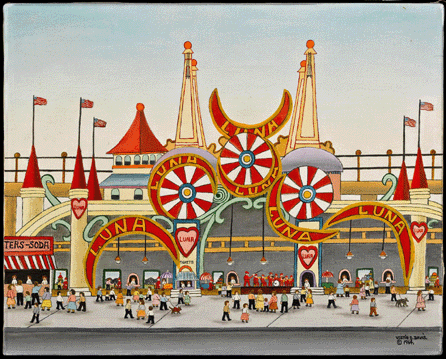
(49, 196)
(432, 223)
(165, 219)
(389, 177)
(89, 226)
(64, 224)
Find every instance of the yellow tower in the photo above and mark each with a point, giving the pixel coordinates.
(304, 130)
(189, 126)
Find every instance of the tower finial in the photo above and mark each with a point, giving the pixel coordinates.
(187, 45)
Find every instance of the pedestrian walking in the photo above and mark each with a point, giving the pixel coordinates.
(229, 290)
(59, 301)
(236, 300)
(108, 284)
(180, 297)
(340, 288)
(388, 284)
(71, 307)
(303, 294)
(373, 307)
(163, 301)
(309, 301)
(371, 286)
(284, 302)
(151, 316)
(331, 299)
(10, 295)
(36, 313)
(46, 299)
(128, 309)
(251, 300)
(367, 289)
(354, 305)
(141, 313)
(223, 291)
(35, 293)
(421, 302)
(107, 296)
(431, 294)
(99, 295)
(119, 299)
(82, 302)
(245, 313)
(375, 291)
(273, 302)
(149, 294)
(156, 299)
(19, 293)
(28, 300)
(295, 304)
(136, 296)
(187, 298)
(259, 304)
(347, 291)
(362, 292)
(426, 282)
(266, 305)
(129, 288)
(393, 293)
(226, 311)
(112, 294)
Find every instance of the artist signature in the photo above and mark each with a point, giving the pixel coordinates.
(409, 339)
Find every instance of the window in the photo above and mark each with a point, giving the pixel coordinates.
(118, 161)
(137, 194)
(137, 160)
(115, 194)
(145, 159)
(345, 273)
(113, 275)
(152, 159)
(127, 160)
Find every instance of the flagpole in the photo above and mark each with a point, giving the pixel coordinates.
(79, 132)
(404, 138)
(419, 123)
(32, 135)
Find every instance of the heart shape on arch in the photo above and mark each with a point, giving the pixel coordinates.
(307, 255)
(419, 230)
(186, 239)
(79, 206)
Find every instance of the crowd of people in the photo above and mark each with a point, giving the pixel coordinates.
(267, 281)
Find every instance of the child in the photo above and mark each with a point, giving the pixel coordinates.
(11, 297)
(393, 293)
(151, 316)
(376, 287)
(373, 307)
(36, 313)
(46, 299)
(163, 301)
(119, 299)
(252, 300)
(362, 292)
(136, 296)
(112, 295)
(59, 301)
(273, 302)
(141, 310)
(309, 302)
(331, 299)
(367, 289)
(187, 298)
(141, 295)
(421, 303)
(223, 290)
(347, 291)
(28, 300)
(82, 302)
(149, 294)
(303, 294)
(354, 305)
(156, 299)
(245, 314)
(99, 295)
(128, 309)
(236, 300)
(180, 297)
(226, 311)
(284, 302)
(296, 300)
(431, 293)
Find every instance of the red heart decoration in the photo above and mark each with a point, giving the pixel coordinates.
(79, 206)
(419, 230)
(186, 239)
(307, 255)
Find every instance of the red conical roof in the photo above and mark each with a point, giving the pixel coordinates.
(402, 188)
(94, 193)
(78, 174)
(419, 176)
(32, 176)
(139, 138)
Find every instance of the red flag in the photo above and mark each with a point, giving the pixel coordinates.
(86, 104)
(99, 123)
(426, 106)
(39, 101)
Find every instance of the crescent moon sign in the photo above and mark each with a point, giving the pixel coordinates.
(229, 128)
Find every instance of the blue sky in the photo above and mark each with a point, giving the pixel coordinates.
(373, 63)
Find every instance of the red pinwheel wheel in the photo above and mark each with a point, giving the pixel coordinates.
(186, 192)
(307, 192)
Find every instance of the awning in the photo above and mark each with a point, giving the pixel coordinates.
(29, 262)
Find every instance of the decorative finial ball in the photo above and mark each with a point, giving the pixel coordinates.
(310, 44)
(187, 45)
(303, 63)
(140, 107)
(194, 62)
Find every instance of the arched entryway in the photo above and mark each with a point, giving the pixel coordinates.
(133, 277)
(308, 274)
(232, 275)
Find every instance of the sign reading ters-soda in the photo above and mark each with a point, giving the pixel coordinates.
(15, 246)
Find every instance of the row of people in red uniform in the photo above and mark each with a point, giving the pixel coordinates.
(268, 281)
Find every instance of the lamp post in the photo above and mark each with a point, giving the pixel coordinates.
(383, 254)
(118, 259)
(263, 261)
(145, 260)
(230, 261)
(349, 254)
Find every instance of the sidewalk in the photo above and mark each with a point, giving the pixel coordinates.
(206, 313)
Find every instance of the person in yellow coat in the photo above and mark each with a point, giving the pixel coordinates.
(260, 303)
(46, 299)
(309, 300)
(141, 313)
(119, 298)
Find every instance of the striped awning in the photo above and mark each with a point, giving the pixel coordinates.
(29, 262)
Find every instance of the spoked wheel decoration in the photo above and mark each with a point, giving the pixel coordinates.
(185, 190)
(248, 165)
(307, 192)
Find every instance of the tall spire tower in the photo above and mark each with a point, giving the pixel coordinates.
(189, 126)
(304, 130)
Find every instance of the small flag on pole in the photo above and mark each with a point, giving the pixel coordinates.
(409, 122)
(39, 101)
(426, 106)
(87, 104)
(99, 123)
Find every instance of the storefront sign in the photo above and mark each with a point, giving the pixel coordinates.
(186, 239)
(79, 206)
(307, 255)
(419, 230)
(25, 246)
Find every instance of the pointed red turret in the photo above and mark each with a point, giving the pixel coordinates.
(78, 174)
(402, 188)
(139, 137)
(94, 193)
(32, 176)
(419, 176)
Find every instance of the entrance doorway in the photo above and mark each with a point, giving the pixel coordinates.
(133, 277)
(308, 275)
(232, 277)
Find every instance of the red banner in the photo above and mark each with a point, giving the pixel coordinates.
(27, 246)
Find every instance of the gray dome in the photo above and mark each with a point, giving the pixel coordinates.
(194, 150)
(310, 156)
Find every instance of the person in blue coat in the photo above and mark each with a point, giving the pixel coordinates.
(340, 289)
